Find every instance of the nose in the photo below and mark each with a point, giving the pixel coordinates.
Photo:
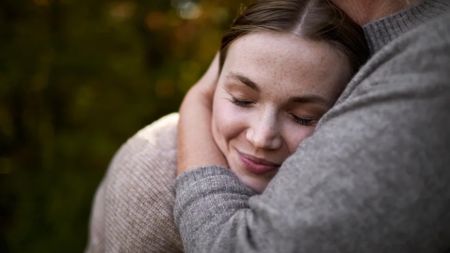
(265, 133)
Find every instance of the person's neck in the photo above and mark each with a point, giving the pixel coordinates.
(365, 11)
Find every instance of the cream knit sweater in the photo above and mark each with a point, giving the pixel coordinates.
(133, 206)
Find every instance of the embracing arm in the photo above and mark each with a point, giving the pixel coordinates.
(373, 178)
(195, 109)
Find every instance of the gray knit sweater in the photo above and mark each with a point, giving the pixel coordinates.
(374, 177)
(390, 192)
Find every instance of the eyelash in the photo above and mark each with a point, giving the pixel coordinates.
(303, 121)
(241, 102)
(299, 120)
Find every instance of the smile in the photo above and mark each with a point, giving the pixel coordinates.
(257, 165)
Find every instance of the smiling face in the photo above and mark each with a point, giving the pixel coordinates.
(272, 90)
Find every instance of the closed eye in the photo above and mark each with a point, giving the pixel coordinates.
(241, 102)
(304, 121)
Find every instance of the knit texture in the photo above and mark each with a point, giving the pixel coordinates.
(133, 206)
(302, 208)
(372, 178)
(383, 31)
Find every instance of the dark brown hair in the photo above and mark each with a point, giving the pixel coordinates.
(317, 20)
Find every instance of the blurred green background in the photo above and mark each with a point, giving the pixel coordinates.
(77, 78)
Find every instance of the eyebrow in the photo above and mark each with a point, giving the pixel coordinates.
(304, 99)
(245, 80)
(310, 99)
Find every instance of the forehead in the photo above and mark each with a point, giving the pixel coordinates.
(286, 61)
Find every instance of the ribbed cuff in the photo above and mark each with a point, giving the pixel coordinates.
(200, 173)
(208, 186)
(380, 32)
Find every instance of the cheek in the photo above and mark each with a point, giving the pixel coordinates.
(295, 136)
(227, 123)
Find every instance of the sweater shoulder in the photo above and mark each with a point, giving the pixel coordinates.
(160, 132)
(139, 192)
(155, 142)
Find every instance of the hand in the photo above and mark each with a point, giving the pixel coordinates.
(196, 146)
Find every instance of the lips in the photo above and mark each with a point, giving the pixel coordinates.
(257, 165)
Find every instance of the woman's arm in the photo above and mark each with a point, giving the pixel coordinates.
(194, 129)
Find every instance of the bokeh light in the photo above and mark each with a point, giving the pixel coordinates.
(77, 78)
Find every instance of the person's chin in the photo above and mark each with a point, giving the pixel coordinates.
(255, 183)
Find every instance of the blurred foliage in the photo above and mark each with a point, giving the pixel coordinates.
(77, 78)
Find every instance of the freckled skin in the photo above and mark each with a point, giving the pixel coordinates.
(282, 66)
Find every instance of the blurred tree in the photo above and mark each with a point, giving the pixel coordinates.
(77, 78)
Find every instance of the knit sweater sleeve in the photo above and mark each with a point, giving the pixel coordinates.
(372, 178)
(133, 206)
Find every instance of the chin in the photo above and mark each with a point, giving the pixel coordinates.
(256, 184)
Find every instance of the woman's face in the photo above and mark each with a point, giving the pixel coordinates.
(272, 90)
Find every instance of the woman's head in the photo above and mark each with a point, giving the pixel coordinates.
(282, 66)
(316, 20)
